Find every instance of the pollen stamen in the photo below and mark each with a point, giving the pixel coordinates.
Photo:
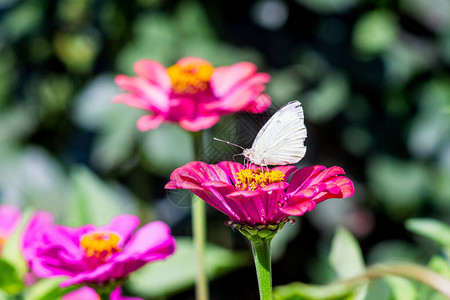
(254, 179)
(100, 244)
(190, 78)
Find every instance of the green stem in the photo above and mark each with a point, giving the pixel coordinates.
(104, 292)
(261, 254)
(104, 296)
(199, 229)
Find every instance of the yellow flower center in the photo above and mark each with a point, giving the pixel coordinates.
(100, 244)
(254, 179)
(190, 78)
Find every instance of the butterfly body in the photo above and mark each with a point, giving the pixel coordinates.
(281, 140)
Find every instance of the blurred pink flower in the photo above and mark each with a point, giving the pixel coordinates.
(34, 228)
(9, 220)
(92, 255)
(255, 196)
(87, 293)
(192, 92)
(37, 224)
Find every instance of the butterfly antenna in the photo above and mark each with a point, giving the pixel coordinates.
(237, 154)
(227, 142)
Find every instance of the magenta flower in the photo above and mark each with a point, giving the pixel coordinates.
(87, 293)
(92, 255)
(192, 92)
(9, 220)
(37, 224)
(257, 196)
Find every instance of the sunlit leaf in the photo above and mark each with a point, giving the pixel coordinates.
(285, 84)
(117, 139)
(328, 6)
(48, 289)
(10, 281)
(178, 272)
(402, 289)
(11, 252)
(35, 178)
(440, 265)
(375, 31)
(16, 122)
(379, 290)
(77, 51)
(392, 251)
(23, 19)
(162, 148)
(345, 256)
(303, 291)
(435, 230)
(94, 201)
(431, 13)
(283, 237)
(93, 104)
(399, 185)
(328, 99)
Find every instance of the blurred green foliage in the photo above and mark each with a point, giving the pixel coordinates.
(373, 77)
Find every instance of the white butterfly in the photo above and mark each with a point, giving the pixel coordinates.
(280, 140)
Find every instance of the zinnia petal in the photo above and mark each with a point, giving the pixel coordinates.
(152, 239)
(199, 123)
(154, 72)
(312, 185)
(150, 93)
(9, 219)
(149, 122)
(226, 78)
(242, 194)
(124, 225)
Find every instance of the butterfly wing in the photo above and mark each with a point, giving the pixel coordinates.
(280, 140)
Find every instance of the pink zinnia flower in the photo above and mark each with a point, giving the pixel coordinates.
(92, 255)
(259, 196)
(9, 220)
(87, 293)
(36, 225)
(192, 92)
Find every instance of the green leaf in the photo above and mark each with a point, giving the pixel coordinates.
(440, 265)
(300, 291)
(400, 185)
(4, 295)
(16, 122)
(402, 289)
(282, 239)
(178, 272)
(116, 142)
(10, 281)
(328, 6)
(23, 19)
(284, 84)
(375, 32)
(48, 289)
(435, 230)
(328, 99)
(94, 201)
(12, 253)
(345, 256)
(162, 148)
